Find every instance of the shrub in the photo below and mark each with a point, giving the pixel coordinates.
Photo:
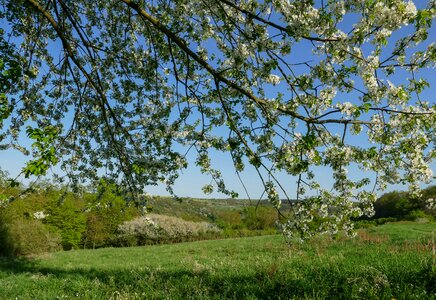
(372, 223)
(259, 218)
(419, 216)
(63, 211)
(364, 224)
(160, 229)
(26, 237)
(381, 221)
(229, 219)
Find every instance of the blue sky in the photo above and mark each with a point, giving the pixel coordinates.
(191, 180)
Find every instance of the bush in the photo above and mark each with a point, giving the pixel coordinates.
(259, 218)
(381, 221)
(26, 237)
(419, 216)
(372, 223)
(364, 224)
(229, 219)
(154, 229)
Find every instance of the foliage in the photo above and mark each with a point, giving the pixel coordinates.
(43, 150)
(21, 236)
(96, 234)
(128, 87)
(403, 205)
(88, 220)
(229, 219)
(104, 213)
(10, 72)
(90, 217)
(419, 216)
(375, 222)
(260, 217)
(392, 261)
(65, 215)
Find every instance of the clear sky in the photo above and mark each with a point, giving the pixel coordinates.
(191, 180)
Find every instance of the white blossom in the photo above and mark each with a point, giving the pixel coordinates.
(39, 215)
(346, 108)
(273, 79)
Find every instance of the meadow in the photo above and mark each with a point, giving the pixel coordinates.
(392, 261)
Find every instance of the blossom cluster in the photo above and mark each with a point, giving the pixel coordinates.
(39, 215)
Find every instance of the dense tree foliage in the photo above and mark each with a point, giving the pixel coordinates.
(401, 205)
(126, 87)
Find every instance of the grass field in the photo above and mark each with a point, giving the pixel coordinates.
(393, 261)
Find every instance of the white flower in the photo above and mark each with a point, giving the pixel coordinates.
(338, 7)
(373, 61)
(383, 33)
(346, 108)
(243, 50)
(396, 95)
(273, 196)
(273, 79)
(431, 203)
(410, 10)
(39, 215)
(328, 94)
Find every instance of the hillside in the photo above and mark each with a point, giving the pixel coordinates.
(202, 209)
(49, 217)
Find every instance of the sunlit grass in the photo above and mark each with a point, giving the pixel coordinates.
(390, 261)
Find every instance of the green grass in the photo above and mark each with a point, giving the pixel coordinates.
(390, 261)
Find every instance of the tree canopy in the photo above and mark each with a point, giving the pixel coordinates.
(124, 88)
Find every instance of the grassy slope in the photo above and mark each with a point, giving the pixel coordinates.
(202, 207)
(390, 261)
